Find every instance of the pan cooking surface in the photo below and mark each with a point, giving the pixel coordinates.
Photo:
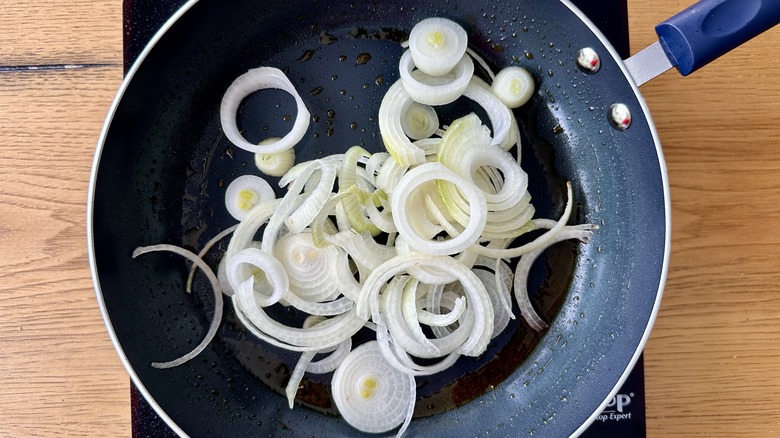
(164, 166)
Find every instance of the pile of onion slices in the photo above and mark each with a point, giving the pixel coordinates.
(413, 242)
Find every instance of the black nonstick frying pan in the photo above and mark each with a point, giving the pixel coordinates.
(162, 165)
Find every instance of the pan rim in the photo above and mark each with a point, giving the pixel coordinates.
(667, 215)
(119, 97)
(90, 214)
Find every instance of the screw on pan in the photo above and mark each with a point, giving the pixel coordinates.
(588, 60)
(620, 116)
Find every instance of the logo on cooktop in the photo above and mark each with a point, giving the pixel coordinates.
(617, 409)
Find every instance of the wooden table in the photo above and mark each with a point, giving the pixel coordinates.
(712, 362)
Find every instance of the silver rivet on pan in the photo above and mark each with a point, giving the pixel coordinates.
(620, 116)
(589, 60)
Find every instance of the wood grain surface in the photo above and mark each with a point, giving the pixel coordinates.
(712, 362)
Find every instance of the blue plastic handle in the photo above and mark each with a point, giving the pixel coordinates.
(711, 28)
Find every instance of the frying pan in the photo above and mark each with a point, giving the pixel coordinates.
(162, 164)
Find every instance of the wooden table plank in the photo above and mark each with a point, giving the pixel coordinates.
(35, 33)
(59, 373)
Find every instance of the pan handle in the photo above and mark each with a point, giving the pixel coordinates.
(711, 28)
(701, 33)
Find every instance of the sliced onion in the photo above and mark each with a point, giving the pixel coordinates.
(479, 300)
(391, 172)
(408, 305)
(319, 308)
(218, 307)
(402, 361)
(582, 233)
(442, 320)
(222, 277)
(307, 364)
(435, 90)
(345, 277)
(499, 115)
(537, 243)
(354, 197)
(374, 163)
(255, 80)
(297, 375)
(314, 201)
(437, 44)
(369, 394)
(309, 268)
(407, 333)
(405, 220)
(503, 283)
(245, 193)
(275, 164)
(514, 86)
(267, 266)
(501, 305)
(293, 202)
(332, 361)
(244, 235)
(395, 103)
(420, 121)
(443, 299)
(202, 253)
(327, 334)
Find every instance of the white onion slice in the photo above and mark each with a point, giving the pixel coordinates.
(582, 233)
(408, 334)
(362, 248)
(374, 163)
(514, 86)
(307, 364)
(202, 253)
(326, 334)
(500, 116)
(255, 80)
(218, 307)
(370, 394)
(405, 221)
(391, 171)
(315, 200)
(319, 308)
(333, 360)
(309, 268)
(245, 193)
(435, 90)
(503, 283)
(420, 121)
(501, 306)
(537, 243)
(443, 299)
(222, 277)
(292, 202)
(437, 44)
(265, 264)
(345, 278)
(442, 320)
(297, 375)
(275, 164)
(478, 298)
(400, 359)
(394, 104)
